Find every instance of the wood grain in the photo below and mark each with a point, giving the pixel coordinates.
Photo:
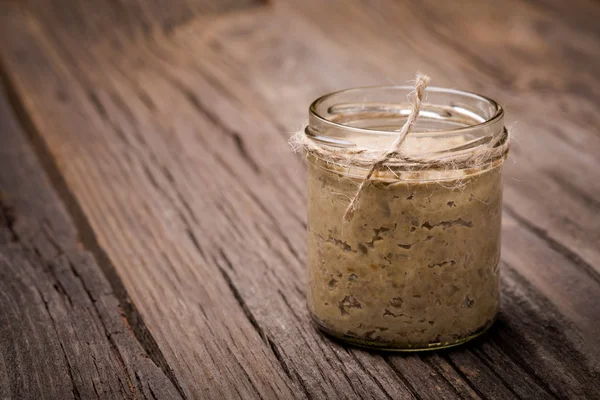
(173, 144)
(63, 333)
(549, 270)
(193, 305)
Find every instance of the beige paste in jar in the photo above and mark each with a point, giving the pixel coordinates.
(416, 267)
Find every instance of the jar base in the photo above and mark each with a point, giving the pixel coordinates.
(388, 347)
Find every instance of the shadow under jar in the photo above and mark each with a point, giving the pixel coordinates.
(416, 268)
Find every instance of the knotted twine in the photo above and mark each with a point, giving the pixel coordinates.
(376, 161)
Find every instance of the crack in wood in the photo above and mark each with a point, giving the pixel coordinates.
(108, 334)
(216, 121)
(84, 229)
(440, 372)
(400, 376)
(195, 242)
(8, 215)
(483, 357)
(352, 354)
(342, 368)
(472, 57)
(75, 390)
(248, 191)
(516, 349)
(554, 244)
(591, 202)
(238, 297)
(466, 379)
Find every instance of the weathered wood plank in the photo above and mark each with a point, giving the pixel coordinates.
(185, 119)
(553, 282)
(199, 322)
(63, 333)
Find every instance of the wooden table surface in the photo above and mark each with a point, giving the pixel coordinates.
(153, 217)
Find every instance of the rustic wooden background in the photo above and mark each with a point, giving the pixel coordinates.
(152, 216)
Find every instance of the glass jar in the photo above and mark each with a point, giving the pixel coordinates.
(416, 267)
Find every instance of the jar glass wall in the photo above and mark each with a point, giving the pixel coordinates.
(417, 266)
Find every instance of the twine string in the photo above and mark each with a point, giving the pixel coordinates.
(394, 150)
(376, 161)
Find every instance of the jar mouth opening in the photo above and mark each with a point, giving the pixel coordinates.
(371, 117)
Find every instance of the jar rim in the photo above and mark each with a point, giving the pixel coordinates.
(320, 124)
